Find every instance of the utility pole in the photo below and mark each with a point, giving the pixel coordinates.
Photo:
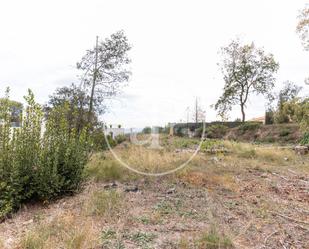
(188, 112)
(93, 82)
(196, 111)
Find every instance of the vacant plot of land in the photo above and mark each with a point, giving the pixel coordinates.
(230, 195)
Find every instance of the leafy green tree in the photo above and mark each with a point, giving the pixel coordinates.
(297, 110)
(303, 30)
(289, 92)
(246, 69)
(77, 100)
(303, 27)
(15, 108)
(147, 130)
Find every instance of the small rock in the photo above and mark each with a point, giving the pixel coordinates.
(286, 159)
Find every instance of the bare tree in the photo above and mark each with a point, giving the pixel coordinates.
(105, 69)
(198, 112)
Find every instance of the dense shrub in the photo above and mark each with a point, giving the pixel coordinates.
(249, 126)
(120, 139)
(147, 130)
(36, 164)
(284, 132)
(216, 131)
(99, 142)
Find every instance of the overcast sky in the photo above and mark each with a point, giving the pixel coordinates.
(174, 55)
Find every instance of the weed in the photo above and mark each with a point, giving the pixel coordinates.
(144, 219)
(104, 202)
(211, 144)
(250, 153)
(108, 234)
(183, 243)
(213, 240)
(140, 238)
(163, 207)
(103, 170)
(76, 240)
(305, 139)
(184, 143)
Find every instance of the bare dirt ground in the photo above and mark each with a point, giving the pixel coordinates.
(217, 201)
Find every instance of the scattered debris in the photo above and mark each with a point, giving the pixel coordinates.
(301, 149)
(110, 185)
(171, 191)
(131, 189)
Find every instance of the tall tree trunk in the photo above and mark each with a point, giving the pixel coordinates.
(242, 107)
(93, 83)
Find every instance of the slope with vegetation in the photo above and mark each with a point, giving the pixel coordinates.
(243, 197)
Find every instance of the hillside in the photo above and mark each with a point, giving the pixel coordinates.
(278, 133)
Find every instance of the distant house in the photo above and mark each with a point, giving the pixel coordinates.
(114, 131)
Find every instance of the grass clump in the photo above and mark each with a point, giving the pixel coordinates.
(141, 238)
(104, 202)
(184, 143)
(214, 240)
(61, 232)
(305, 139)
(103, 169)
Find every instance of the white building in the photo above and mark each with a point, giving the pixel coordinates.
(114, 131)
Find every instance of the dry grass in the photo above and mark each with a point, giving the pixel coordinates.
(61, 232)
(224, 189)
(104, 203)
(101, 169)
(214, 240)
(210, 180)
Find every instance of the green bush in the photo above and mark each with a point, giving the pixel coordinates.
(211, 144)
(147, 130)
(37, 165)
(249, 126)
(99, 142)
(216, 131)
(120, 139)
(284, 133)
(305, 139)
